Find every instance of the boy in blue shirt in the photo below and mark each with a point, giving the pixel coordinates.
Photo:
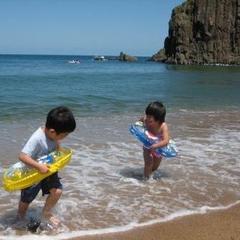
(59, 123)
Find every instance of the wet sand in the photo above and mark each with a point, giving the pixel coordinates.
(214, 225)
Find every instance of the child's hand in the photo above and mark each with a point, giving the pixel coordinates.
(42, 168)
(153, 147)
(141, 119)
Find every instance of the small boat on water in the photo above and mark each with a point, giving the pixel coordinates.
(74, 61)
(100, 58)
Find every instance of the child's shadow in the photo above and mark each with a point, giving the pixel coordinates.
(8, 220)
(159, 174)
(137, 173)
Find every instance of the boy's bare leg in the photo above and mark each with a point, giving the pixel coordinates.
(22, 209)
(51, 201)
(20, 221)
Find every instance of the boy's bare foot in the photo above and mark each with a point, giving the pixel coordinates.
(20, 223)
(54, 221)
(50, 223)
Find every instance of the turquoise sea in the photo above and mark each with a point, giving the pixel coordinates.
(31, 85)
(103, 187)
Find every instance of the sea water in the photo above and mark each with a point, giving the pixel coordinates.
(104, 189)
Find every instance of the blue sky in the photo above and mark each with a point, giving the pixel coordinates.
(86, 27)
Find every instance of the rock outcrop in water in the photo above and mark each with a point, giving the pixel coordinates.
(126, 58)
(203, 32)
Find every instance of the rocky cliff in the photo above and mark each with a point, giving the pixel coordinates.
(203, 32)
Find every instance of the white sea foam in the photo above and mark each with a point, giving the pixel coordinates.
(62, 236)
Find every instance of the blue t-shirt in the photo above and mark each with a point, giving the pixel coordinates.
(39, 145)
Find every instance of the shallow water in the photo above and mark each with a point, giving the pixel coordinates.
(103, 184)
(104, 187)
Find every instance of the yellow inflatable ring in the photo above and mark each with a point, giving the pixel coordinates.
(19, 176)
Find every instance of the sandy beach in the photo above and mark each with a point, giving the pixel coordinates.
(214, 225)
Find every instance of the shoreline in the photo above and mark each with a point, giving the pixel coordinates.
(220, 224)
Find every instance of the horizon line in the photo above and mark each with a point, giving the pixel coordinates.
(48, 54)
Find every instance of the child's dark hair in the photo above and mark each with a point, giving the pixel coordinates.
(157, 110)
(61, 119)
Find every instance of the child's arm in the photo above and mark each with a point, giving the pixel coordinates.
(142, 119)
(42, 168)
(58, 146)
(165, 138)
